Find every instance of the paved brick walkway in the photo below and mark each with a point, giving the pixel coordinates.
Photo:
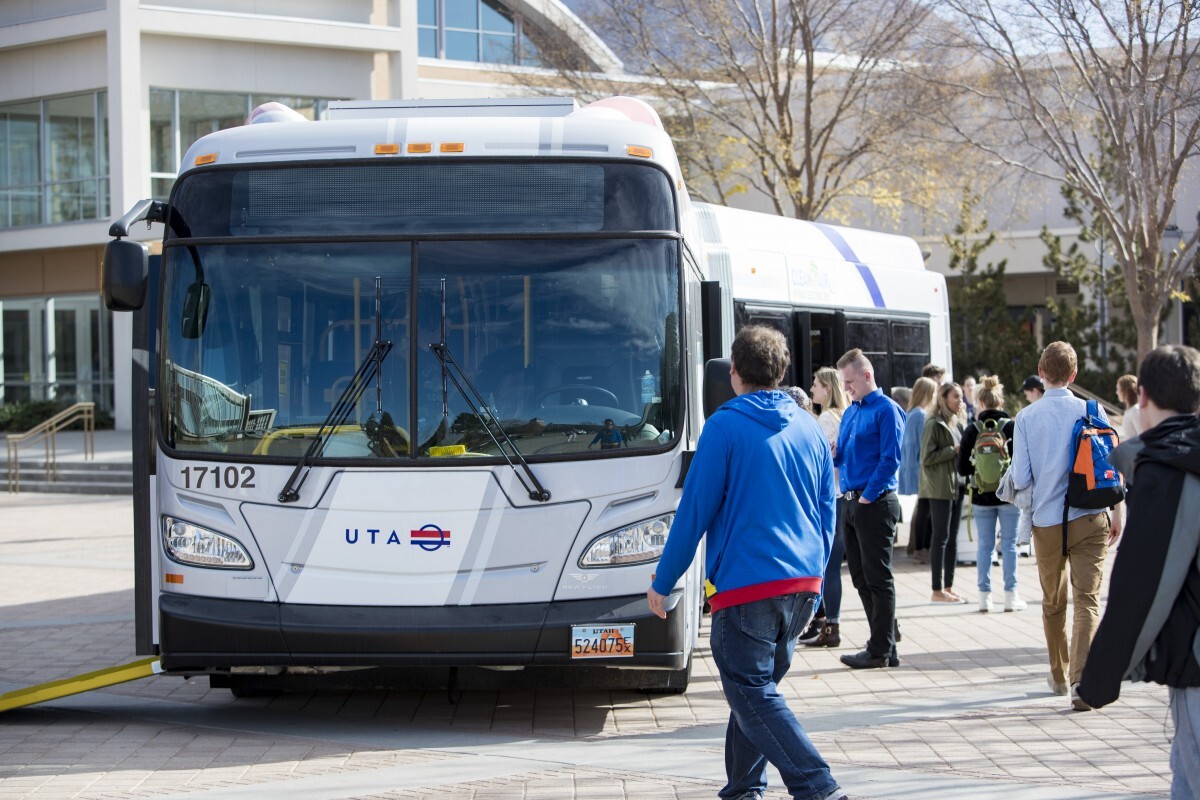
(966, 715)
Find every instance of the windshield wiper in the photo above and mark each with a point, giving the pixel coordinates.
(451, 369)
(368, 370)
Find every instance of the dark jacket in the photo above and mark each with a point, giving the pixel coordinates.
(1151, 627)
(967, 469)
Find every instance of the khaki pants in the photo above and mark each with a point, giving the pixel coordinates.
(1087, 546)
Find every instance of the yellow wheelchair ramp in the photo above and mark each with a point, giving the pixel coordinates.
(80, 683)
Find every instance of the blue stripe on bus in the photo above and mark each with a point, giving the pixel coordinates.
(847, 252)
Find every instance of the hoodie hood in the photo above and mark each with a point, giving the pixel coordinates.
(772, 409)
(1174, 442)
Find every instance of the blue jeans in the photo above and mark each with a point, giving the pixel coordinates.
(985, 520)
(1185, 748)
(752, 646)
(831, 587)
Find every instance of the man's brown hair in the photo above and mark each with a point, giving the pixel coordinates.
(1058, 362)
(760, 356)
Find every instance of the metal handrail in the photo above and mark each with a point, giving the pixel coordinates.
(1109, 407)
(48, 431)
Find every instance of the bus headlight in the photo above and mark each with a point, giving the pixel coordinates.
(636, 544)
(191, 544)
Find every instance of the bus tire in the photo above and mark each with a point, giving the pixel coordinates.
(246, 687)
(673, 681)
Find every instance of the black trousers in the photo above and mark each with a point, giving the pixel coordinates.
(943, 550)
(870, 534)
(922, 527)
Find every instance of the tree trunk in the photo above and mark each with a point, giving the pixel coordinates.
(1145, 302)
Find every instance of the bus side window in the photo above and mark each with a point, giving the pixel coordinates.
(871, 336)
(910, 351)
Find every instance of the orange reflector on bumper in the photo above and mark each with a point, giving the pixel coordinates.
(387, 149)
(172, 577)
(424, 147)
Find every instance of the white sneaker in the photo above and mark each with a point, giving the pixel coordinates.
(1077, 702)
(1013, 602)
(985, 602)
(1055, 686)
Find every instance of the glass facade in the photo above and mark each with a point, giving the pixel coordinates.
(56, 348)
(54, 160)
(179, 118)
(482, 31)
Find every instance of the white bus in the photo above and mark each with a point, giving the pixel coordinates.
(829, 289)
(421, 385)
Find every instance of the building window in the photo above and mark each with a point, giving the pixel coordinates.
(179, 118)
(481, 31)
(54, 160)
(56, 348)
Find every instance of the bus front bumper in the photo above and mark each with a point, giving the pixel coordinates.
(198, 634)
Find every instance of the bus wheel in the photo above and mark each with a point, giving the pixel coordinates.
(673, 681)
(242, 692)
(246, 687)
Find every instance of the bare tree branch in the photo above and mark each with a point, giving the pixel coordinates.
(1103, 95)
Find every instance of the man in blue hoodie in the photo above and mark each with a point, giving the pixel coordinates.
(761, 488)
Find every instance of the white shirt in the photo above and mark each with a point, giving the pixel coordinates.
(1131, 424)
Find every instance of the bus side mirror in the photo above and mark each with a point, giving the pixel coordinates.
(718, 388)
(126, 265)
(195, 311)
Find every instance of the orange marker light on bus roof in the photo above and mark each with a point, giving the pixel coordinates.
(172, 577)
(387, 149)
(452, 147)
(423, 147)
(639, 151)
(208, 158)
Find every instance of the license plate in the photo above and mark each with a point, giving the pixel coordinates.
(595, 641)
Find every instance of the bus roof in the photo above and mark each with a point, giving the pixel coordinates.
(617, 127)
(777, 259)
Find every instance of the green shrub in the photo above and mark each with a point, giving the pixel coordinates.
(20, 417)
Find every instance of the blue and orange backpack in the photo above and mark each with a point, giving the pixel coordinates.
(1093, 482)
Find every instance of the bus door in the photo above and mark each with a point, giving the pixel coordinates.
(820, 341)
(780, 320)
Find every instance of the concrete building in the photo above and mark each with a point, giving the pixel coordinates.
(99, 99)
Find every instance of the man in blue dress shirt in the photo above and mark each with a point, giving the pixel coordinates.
(868, 457)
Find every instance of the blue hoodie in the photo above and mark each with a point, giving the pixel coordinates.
(761, 485)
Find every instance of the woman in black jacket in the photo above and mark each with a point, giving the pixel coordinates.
(986, 509)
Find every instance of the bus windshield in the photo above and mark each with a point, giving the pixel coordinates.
(571, 343)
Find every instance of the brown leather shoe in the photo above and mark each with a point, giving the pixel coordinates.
(830, 637)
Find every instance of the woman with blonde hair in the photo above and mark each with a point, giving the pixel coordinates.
(828, 392)
(988, 510)
(1127, 392)
(940, 486)
(920, 406)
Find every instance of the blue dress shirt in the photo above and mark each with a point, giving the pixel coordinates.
(868, 446)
